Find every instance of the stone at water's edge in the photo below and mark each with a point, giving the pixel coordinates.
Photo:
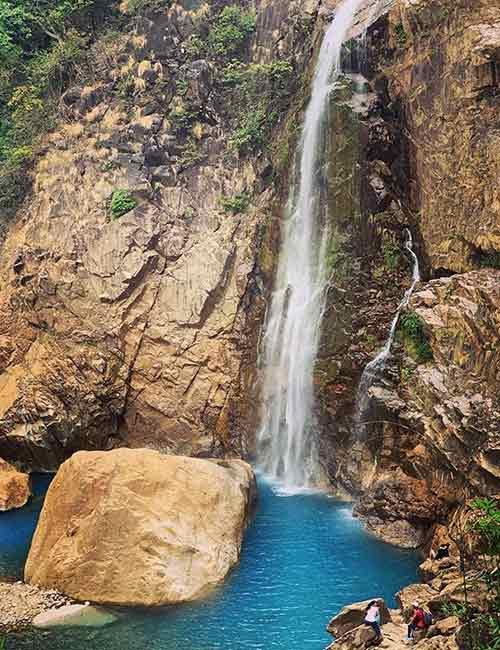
(351, 616)
(135, 527)
(14, 487)
(81, 615)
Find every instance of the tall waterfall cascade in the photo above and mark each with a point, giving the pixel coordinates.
(286, 441)
(376, 367)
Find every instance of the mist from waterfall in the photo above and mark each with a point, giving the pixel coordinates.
(286, 440)
(376, 367)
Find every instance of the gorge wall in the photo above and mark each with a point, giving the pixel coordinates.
(143, 330)
(424, 131)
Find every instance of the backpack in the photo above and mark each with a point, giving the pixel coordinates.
(427, 619)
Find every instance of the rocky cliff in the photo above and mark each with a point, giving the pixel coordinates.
(133, 281)
(419, 115)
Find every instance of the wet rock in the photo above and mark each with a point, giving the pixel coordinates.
(74, 615)
(134, 527)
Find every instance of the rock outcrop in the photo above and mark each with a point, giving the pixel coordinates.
(135, 527)
(353, 615)
(421, 124)
(15, 487)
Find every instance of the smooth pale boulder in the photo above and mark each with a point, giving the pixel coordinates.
(14, 487)
(80, 615)
(136, 527)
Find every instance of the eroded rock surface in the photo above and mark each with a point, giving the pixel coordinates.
(135, 527)
(142, 329)
(15, 487)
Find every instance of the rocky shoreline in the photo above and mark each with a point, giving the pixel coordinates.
(445, 587)
(21, 603)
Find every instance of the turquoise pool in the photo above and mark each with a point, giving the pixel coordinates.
(304, 557)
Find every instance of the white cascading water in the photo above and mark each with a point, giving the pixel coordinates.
(286, 440)
(377, 365)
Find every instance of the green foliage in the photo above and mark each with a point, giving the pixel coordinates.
(191, 153)
(490, 260)
(391, 255)
(257, 75)
(194, 46)
(230, 32)
(401, 36)
(250, 134)
(481, 628)
(263, 86)
(237, 203)
(122, 202)
(411, 328)
(487, 525)
(182, 118)
(43, 44)
(137, 6)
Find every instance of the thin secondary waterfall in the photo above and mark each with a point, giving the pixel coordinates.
(286, 440)
(377, 365)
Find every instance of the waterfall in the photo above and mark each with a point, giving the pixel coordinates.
(376, 367)
(286, 439)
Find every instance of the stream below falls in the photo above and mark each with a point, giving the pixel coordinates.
(304, 557)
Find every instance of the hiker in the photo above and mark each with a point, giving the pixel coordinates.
(442, 552)
(419, 621)
(372, 617)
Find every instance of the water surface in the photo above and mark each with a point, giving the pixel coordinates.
(304, 557)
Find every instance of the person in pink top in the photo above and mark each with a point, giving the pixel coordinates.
(372, 617)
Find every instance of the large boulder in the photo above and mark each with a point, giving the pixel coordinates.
(14, 487)
(135, 527)
(351, 616)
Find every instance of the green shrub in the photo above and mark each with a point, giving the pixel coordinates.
(122, 202)
(250, 134)
(489, 259)
(44, 45)
(237, 203)
(411, 328)
(230, 32)
(401, 36)
(194, 46)
(391, 255)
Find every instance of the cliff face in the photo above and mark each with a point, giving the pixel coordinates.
(141, 328)
(426, 143)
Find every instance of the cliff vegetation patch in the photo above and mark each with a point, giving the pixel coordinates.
(411, 328)
(122, 202)
(44, 44)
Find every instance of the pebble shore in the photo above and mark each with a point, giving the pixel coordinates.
(20, 603)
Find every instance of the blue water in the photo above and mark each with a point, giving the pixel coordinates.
(17, 528)
(304, 557)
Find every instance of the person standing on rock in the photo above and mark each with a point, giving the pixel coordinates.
(417, 622)
(372, 617)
